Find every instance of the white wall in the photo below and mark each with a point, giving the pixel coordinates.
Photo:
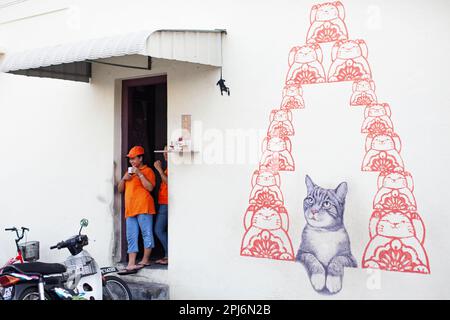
(407, 52)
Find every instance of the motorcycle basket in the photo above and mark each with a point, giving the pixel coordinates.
(30, 251)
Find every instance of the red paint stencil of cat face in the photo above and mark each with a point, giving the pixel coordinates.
(266, 178)
(395, 191)
(377, 119)
(349, 49)
(395, 224)
(327, 23)
(363, 86)
(378, 110)
(349, 61)
(277, 144)
(363, 93)
(396, 243)
(397, 179)
(281, 115)
(382, 152)
(292, 96)
(277, 154)
(292, 90)
(266, 233)
(327, 11)
(305, 54)
(384, 142)
(280, 123)
(305, 65)
(267, 219)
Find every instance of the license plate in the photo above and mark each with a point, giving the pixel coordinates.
(109, 270)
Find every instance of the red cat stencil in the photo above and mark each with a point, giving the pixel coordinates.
(395, 191)
(327, 23)
(280, 124)
(377, 119)
(363, 93)
(396, 243)
(277, 154)
(266, 233)
(292, 96)
(349, 61)
(266, 185)
(305, 65)
(382, 152)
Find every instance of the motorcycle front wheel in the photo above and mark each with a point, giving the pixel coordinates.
(32, 293)
(115, 288)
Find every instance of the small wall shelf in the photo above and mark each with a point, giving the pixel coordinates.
(179, 151)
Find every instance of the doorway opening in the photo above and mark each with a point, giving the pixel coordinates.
(144, 123)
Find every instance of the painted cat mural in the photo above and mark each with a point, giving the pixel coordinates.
(396, 230)
(325, 247)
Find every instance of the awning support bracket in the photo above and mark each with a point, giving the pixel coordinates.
(149, 66)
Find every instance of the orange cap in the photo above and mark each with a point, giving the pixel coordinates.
(135, 151)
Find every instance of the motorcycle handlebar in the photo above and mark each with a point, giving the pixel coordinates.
(16, 230)
(72, 241)
(19, 235)
(58, 246)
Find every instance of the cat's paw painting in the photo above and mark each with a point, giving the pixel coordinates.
(334, 284)
(318, 281)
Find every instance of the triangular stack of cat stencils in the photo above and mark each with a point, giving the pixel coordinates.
(396, 229)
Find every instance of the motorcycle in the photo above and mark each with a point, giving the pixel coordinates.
(25, 252)
(79, 278)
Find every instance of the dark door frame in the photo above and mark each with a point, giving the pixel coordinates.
(126, 119)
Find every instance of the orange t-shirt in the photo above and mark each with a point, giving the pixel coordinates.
(138, 199)
(163, 195)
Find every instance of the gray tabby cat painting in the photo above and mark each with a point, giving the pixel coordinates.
(325, 246)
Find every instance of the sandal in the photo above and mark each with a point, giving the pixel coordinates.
(129, 271)
(163, 261)
(144, 265)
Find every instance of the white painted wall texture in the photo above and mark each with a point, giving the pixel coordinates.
(59, 139)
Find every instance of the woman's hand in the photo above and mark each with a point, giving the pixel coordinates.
(121, 186)
(137, 171)
(126, 176)
(158, 165)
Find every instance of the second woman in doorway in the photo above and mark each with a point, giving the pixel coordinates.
(162, 216)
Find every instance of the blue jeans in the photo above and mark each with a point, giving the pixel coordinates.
(145, 223)
(161, 226)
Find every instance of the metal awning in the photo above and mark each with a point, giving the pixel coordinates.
(73, 61)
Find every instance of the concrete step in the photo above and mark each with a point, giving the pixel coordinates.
(150, 283)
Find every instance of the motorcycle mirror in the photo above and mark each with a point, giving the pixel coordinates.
(84, 223)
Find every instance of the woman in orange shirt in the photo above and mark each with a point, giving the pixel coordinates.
(137, 183)
(162, 217)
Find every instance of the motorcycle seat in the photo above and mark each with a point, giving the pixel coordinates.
(38, 267)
